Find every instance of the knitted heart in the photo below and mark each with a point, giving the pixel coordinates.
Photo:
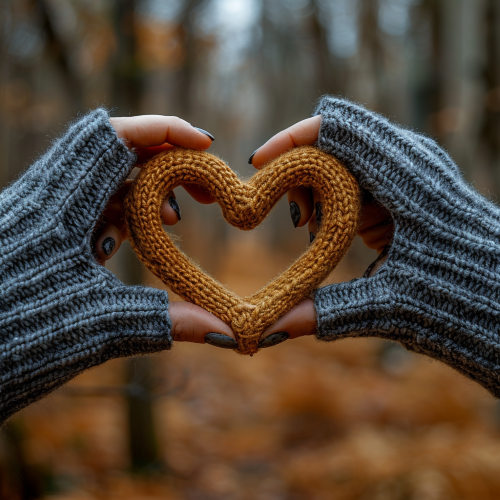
(244, 205)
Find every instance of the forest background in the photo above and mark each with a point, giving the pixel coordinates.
(357, 419)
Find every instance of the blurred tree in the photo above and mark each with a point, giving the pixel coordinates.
(128, 84)
(326, 78)
(437, 90)
(4, 78)
(60, 54)
(191, 48)
(372, 54)
(490, 132)
(26, 480)
(127, 72)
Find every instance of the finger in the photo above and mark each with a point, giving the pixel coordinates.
(300, 320)
(312, 227)
(200, 194)
(300, 200)
(113, 213)
(373, 214)
(145, 154)
(108, 242)
(155, 130)
(191, 323)
(302, 133)
(378, 237)
(316, 218)
(170, 210)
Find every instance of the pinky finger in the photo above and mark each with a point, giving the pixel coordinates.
(108, 242)
(315, 220)
(170, 210)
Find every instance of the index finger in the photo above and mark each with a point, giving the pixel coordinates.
(155, 130)
(303, 133)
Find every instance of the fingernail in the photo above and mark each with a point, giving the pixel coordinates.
(319, 213)
(251, 156)
(175, 205)
(312, 236)
(108, 245)
(220, 340)
(294, 213)
(208, 134)
(274, 339)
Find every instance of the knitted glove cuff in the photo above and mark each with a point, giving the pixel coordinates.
(60, 311)
(438, 293)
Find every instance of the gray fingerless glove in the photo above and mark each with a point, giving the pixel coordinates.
(60, 311)
(439, 291)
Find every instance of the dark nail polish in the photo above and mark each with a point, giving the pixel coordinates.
(108, 245)
(220, 340)
(274, 339)
(208, 134)
(319, 213)
(312, 236)
(295, 213)
(251, 156)
(175, 205)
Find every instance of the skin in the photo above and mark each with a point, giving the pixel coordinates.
(375, 230)
(149, 135)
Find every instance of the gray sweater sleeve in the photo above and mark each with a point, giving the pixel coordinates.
(60, 311)
(439, 291)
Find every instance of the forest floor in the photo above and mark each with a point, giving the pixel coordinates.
(356, 419)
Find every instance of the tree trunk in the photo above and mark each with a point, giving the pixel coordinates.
(127, 91)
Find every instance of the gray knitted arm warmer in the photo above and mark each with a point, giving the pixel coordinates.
(60, 311)
(439, 291)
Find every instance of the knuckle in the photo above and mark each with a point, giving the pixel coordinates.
(183, 331)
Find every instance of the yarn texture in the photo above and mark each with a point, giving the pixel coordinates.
(438, 293)
(60, 311)
(244, 205)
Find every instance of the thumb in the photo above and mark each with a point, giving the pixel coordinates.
(300, 320)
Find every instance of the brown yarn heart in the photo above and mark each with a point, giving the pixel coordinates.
(244, 205)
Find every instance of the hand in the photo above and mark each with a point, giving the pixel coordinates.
(148, 135)
(376, 227)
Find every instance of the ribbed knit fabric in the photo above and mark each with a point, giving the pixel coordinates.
(438, 293)
(60, 311)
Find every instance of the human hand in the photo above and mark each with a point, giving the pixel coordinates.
(435, 294)
(376, 223)
(148, 135)
(375, 230)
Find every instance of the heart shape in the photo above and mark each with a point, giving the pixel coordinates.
(244, 205)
